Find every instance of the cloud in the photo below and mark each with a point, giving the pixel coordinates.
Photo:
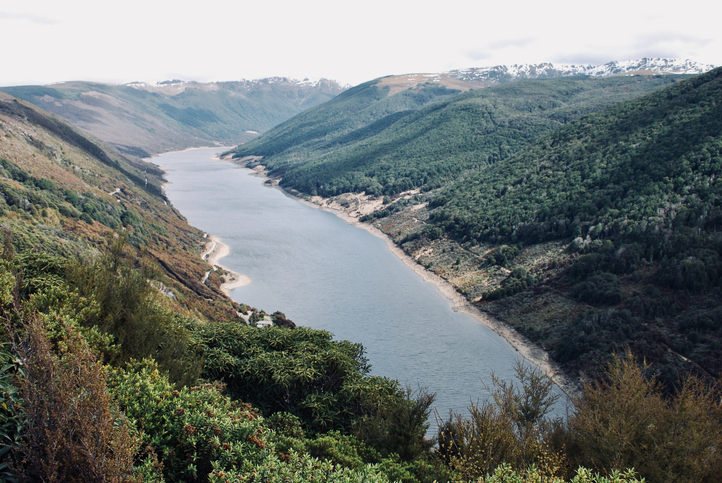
(586, 58)
(495, 49)
(673, 44)
(511, 43)
(27, 17)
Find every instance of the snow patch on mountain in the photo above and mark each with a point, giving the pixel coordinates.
(508, 73)
(243, 86)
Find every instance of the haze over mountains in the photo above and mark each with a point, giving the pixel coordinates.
(143, 119)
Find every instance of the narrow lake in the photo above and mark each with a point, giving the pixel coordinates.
(326, 274)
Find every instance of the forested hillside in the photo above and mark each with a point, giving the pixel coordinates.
(425, 137)
(141, 119)
(634, 191)
(587, 223)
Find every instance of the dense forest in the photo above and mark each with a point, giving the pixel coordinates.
(370, 140)
(634, 192)
(122, 362)
(586, 223)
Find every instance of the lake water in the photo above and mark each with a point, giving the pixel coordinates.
(326, 274)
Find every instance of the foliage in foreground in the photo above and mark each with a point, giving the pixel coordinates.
(505, 474)
(202, 435)
(69, 418)
(323, 382)
(625, 421)
(72, 429)
(509, 431)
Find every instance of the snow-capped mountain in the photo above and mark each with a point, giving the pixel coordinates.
(507, 73)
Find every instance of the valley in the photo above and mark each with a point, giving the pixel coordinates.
(575, 207)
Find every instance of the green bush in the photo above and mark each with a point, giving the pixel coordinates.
(201, 435)
(130, 311)
(603, 288)
(324, 383)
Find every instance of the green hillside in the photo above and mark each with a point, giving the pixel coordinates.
(105, 307)
(634, 190)
(587, 223)
(142, 119)
(371, 141)
(63, 192)
(359, 113)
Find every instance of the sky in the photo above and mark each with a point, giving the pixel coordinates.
(47, 41)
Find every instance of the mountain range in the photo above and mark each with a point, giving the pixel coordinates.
(645, 66)
(143, 119)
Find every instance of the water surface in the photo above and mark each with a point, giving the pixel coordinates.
(326, 274)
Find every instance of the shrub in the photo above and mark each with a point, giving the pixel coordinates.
(130, 311)
(603, 288)
(191, 428)
(201, 435)
(511, 430)
(624, 421)
(505, 474)
(72, 433)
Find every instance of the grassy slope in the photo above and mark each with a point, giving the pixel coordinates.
(57, 183)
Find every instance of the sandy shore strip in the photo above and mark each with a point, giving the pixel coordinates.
(215, 250)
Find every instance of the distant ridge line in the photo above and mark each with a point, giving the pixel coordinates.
(508, 73)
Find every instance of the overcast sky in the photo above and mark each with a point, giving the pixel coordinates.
(45, 41)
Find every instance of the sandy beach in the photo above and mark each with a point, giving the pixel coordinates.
(215, 250)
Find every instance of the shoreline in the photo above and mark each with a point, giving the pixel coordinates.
(526, 349)
(215, 250)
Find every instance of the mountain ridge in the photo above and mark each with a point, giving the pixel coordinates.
(143, 119)
(507, 73)
(568, 281)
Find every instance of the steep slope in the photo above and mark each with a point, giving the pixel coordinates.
(64, 193)
(142, 119)
(430, 146)
(601, 235)
(355, 115)
(107, 329)
(588, 235)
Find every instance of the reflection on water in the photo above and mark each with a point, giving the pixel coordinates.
(326, 274)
